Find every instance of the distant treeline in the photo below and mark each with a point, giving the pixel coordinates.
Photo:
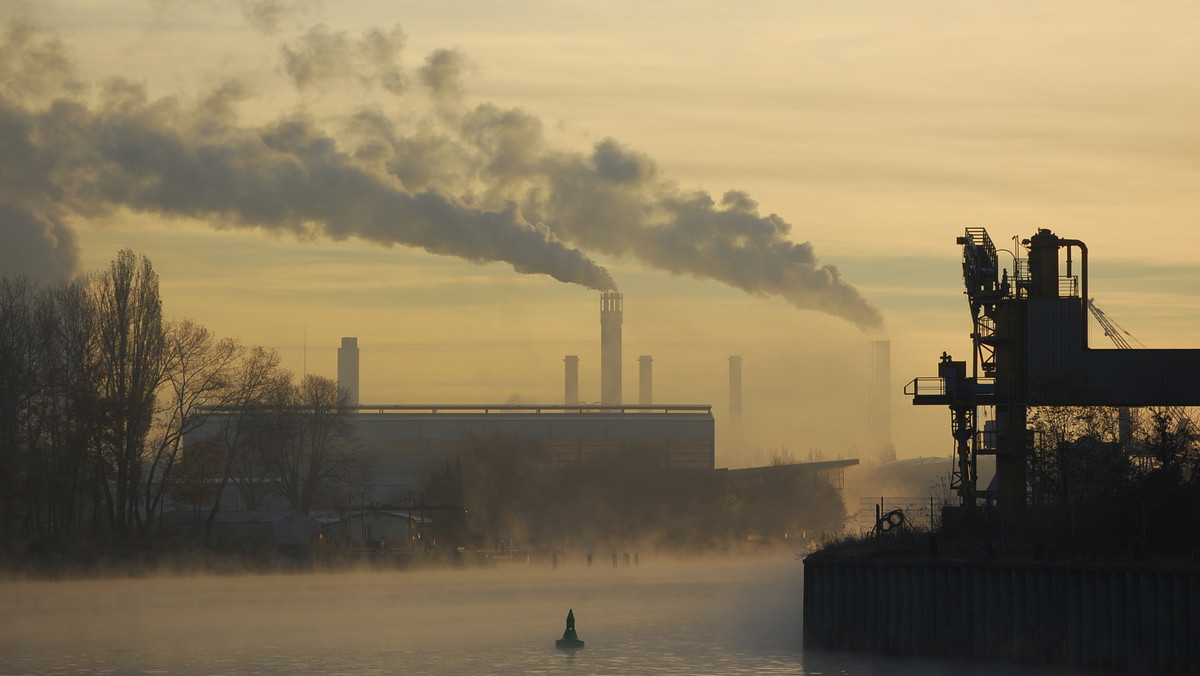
(98, 392)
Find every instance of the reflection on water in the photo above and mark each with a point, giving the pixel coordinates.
(714, 617)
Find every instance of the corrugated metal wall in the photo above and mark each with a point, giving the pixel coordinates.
(1094, 617)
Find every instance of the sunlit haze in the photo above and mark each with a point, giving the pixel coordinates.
(579, 136)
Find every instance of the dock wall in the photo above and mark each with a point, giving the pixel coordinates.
(1078, 616)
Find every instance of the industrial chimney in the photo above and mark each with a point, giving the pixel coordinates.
(610, 348)
(735, 388)
(347, 373)
(735, 400)
(645, 380)
(879, 403)
(571, 396)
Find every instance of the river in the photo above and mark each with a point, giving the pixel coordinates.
(729, 616)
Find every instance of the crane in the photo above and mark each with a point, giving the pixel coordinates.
(1111, 329)
(1121, 338)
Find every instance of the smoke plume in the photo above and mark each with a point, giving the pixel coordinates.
(612, 200)
(161, 157)
(38, 247)
(420, 168)
(321, 56)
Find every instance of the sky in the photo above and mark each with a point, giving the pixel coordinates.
(453, 183)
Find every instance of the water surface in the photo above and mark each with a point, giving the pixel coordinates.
(660, 617)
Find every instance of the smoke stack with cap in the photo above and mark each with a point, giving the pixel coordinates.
(347, 373)
(610, 347)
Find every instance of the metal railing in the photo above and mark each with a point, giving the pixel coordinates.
(1068, 287)
(929, 386)
(932, 386)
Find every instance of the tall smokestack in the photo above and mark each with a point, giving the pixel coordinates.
(645, 380)
(879, 403)
(610, 347)
(571, 395)
(735, 399)
(347, 374)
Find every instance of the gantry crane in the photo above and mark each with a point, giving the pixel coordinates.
(1030, 348)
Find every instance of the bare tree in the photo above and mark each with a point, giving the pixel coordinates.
(198, 378)
(267, 428)
(69, 406)
(18, 388)
(257, 375)
(131, 346)
(196, 475)
(321, 449)
(1076, 454)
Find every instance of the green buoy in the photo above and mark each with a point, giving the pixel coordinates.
(570, 639)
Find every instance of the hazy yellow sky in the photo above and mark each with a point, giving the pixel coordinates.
(877, 130)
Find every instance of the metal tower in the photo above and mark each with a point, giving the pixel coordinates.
(1030, 348)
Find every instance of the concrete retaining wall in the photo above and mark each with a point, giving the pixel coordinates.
(1083, 616)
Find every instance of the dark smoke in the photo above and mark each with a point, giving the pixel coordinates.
(34, 240)
(443, 73)
(481, 183)
(612, 200)
(160, 157)
(265, 16)
(268, 15)
(36, 246)
(321, 56)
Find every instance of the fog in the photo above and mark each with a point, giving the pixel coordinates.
(714, 616)
(657, 616)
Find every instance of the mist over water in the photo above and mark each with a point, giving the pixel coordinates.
(710, 617)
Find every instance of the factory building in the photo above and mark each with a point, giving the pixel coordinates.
(407, 442)
(404, 444)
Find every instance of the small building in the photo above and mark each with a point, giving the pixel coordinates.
(381, 525)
